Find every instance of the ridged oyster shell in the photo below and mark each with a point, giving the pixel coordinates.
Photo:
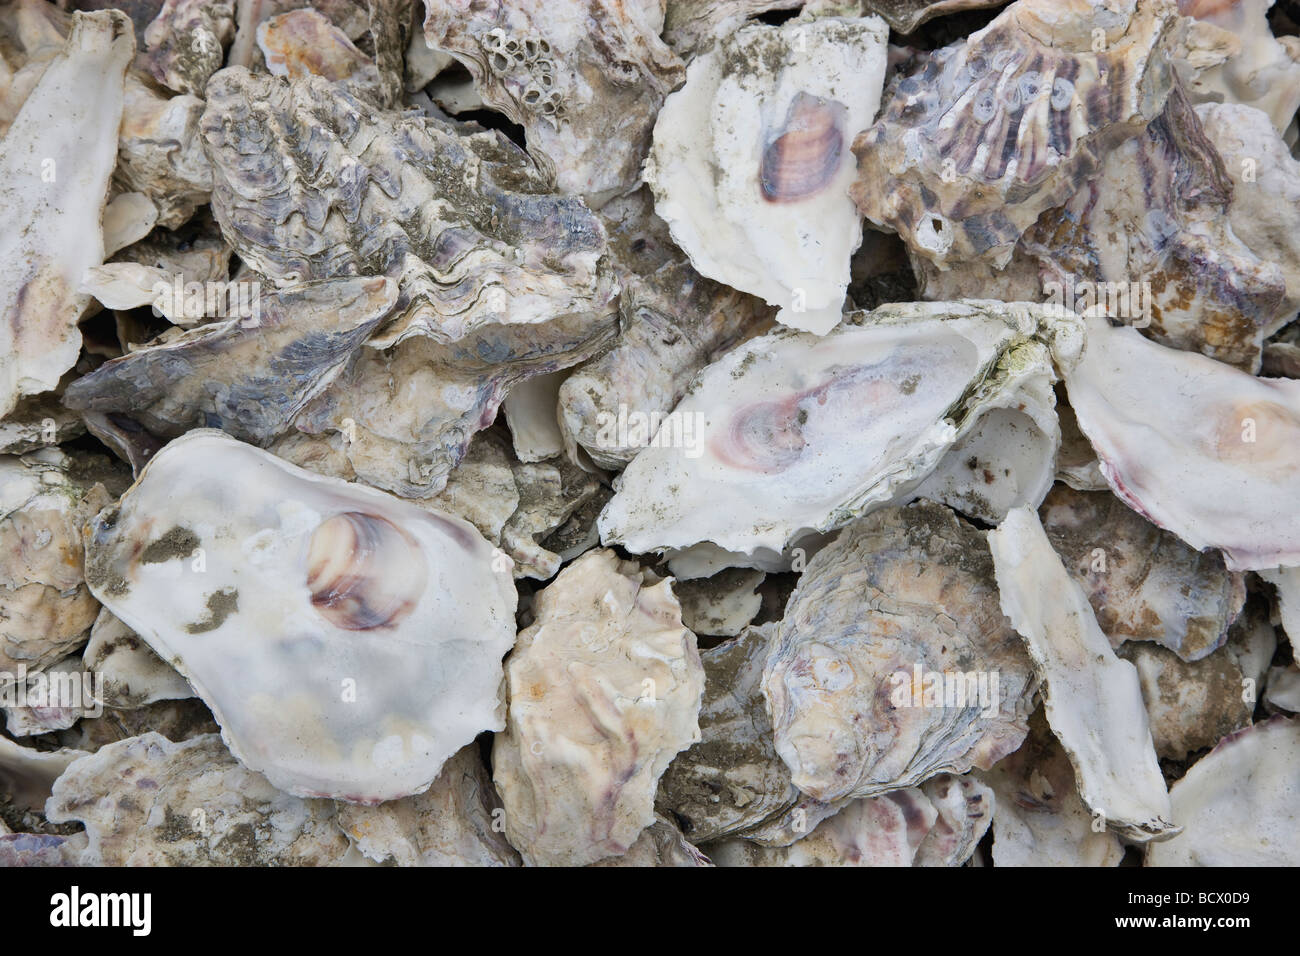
(146, 801)
(751, 161)
(794, 433)
(46, 608)
(584, 80)
(1144, 584)
(899, 597)
(464, 222)
(244, 572)
(986, 135)
(605, 689)
(249, 376)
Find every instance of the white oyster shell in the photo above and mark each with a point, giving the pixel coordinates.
(1093, 700)
(347, 642)
(146, 801)
(792, 433)
(1196, 447)
(53, 186)
(751, 163)
(1238, 803)
(605, 689)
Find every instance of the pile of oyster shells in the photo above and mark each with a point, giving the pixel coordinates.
(650, 432)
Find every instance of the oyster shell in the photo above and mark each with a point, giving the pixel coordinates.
(721, 606)
(585, 81)
(1038, 817)
(674, 323)
(339, 586)
(530, 409)
(986, 135)
(250, 375)
(1232, 57)
(1190, 706)
(798, 433)
(937, 824)
(464, 222)
(732, 779)
(660, 844)
(184, 45)
(1143, 583)
(160, 153)
(893, 662)
(1194, 446)
(46, 608)
(55, 699)
(53, 186)
(1237, 803)
(605, 689)
(133, 675)
(302, 42)
(1093, 700)
(456, 822)
(750, 161)
(200, 807)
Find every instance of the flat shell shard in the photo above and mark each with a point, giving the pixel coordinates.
(303, 42)
(1238, 803)
(250, 375)
(1144, 584)
(605, 689)
(584, 80)
(750, 164)
(347, 642)
(986, 135)
(146, 801)
(893, 662)
(1197, 447)
(53, 184)
(1093, 700)
(133, 675)
(790, 433)
(466, 223)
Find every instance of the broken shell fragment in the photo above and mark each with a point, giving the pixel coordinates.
(1194, 446)
(53, 185)
(792, 433)
(750, 163)
(1237, 804)
(1093, 699)
(893, 662)
(199, 806)
(347, 642)
(605, 689)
